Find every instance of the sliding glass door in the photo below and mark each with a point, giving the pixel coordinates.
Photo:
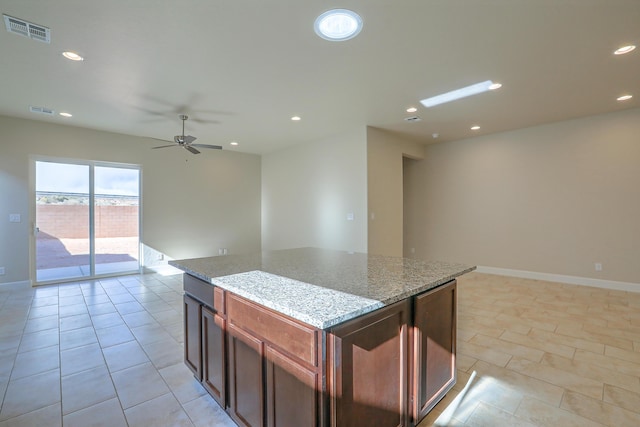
(62, 221)
(87, 219)
(116, 219)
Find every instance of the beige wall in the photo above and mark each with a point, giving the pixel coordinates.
(309, 189)
(555, 199)
(192, 205)
(385, 152)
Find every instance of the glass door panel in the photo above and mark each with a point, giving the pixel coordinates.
(63, 248)
(116, 219)
(87, 220)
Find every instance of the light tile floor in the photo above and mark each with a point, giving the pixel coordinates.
(533, 353)
(99, 353)
(109, 353)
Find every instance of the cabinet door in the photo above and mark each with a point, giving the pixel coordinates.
(213, 355)
(192, 336)
(434, 338)
(369, 369)
(293, 392)
(246, 389)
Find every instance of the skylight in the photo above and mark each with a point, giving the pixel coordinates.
(460, 93)
(338, 25)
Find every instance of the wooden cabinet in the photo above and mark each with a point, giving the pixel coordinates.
(434, 347)
(246, 388)
(293, 392)
(369, 369)
(214, 350)
(205, 351)
(193, 335)
(275, 374)
(389, 367)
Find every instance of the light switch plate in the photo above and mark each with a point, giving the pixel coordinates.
(14, 218)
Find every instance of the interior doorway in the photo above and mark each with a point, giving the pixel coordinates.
(87, 219)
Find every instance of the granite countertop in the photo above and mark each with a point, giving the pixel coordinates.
(318, 286)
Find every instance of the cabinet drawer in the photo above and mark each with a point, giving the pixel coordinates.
(289, 335)
(199, 289)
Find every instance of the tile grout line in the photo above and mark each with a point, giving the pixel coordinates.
(31, 292)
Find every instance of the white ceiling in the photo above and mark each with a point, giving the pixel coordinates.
(244, 68)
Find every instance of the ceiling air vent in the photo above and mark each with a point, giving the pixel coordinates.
(41, 110)
(27, 29)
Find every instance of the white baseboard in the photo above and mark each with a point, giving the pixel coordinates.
(572, 280)
(23, 283)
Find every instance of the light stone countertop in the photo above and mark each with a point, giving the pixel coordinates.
(321, 287)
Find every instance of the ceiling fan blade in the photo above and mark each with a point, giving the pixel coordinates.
(215, 122)
(215, 147)
(165, 146)
(189, 139)
(191, 149)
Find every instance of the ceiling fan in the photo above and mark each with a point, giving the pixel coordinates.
(186, 142)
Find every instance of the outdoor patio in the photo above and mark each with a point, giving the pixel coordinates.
(63, 244)
(59, 258)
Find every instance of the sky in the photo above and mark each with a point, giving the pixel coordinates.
(69, 178)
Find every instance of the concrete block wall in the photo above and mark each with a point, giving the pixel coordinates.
(72, 221)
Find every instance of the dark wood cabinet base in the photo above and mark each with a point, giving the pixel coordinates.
(385, 368)
(434, 347)
(368, 369)
(214, 351)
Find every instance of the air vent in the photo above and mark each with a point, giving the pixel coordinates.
(27, 29)
(41, 110)
(413, 119)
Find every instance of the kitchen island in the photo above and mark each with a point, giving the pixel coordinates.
(313, 337)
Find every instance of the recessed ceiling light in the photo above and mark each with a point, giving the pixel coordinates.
(460, 93)
(412, 110)
(624, 49)
(296, 118)
(233, 143)
(338, 25)
(624, 97)
(66, 114)
(476, 127)
(72, 56)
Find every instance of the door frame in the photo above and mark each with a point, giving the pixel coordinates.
(33, 220)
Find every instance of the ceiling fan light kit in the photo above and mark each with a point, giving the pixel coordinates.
(186, 141)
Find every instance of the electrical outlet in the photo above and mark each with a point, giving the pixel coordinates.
(222, 251)
(15, 218)
(598, 266)
(1, 271)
